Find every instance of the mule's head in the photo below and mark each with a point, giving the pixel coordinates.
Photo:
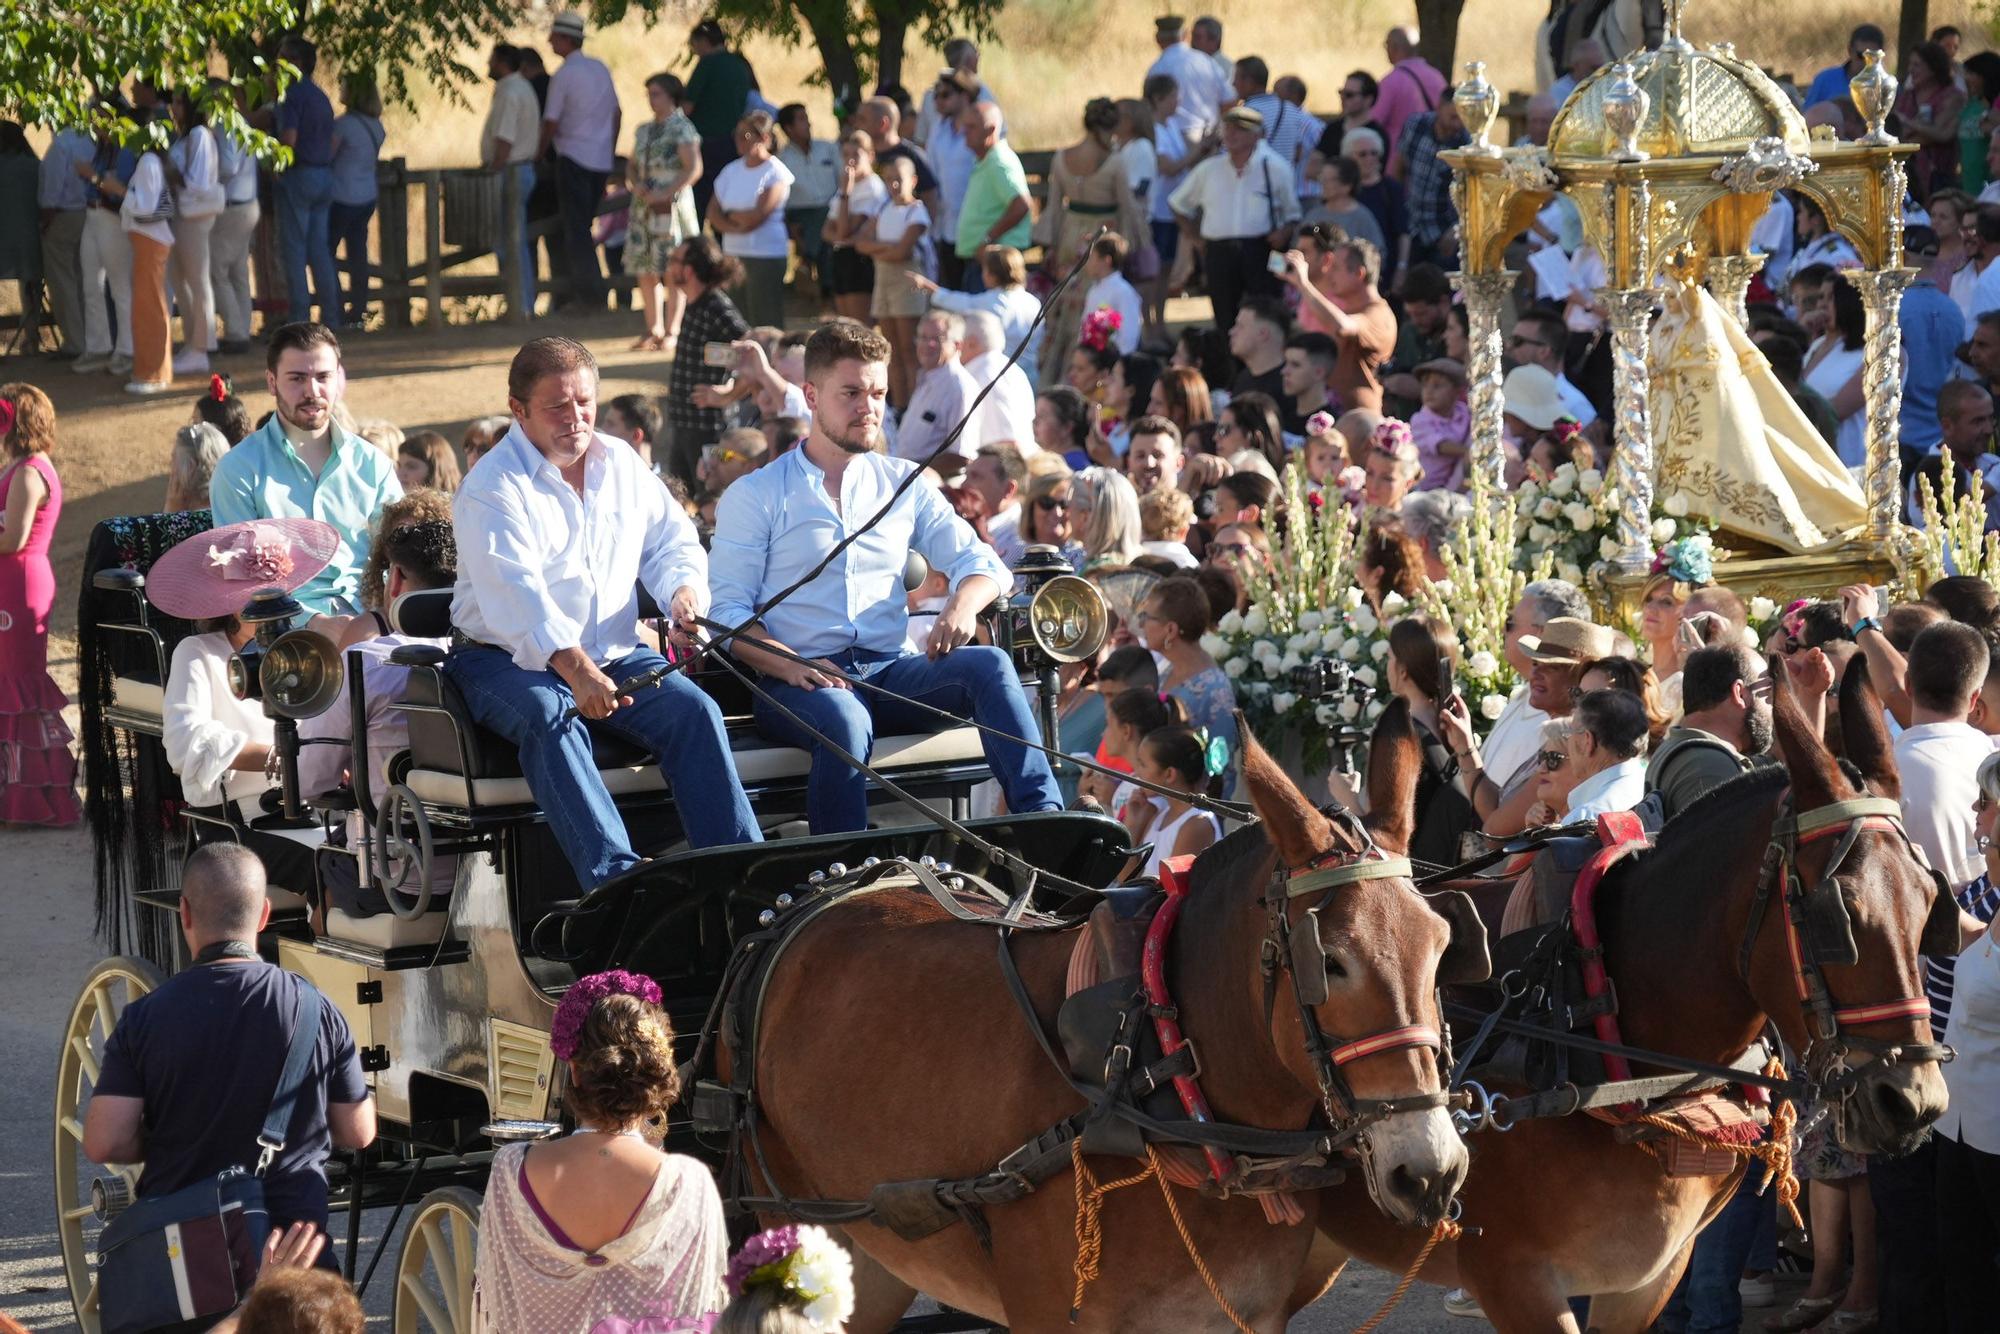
(1365, 959)
(1867, 922)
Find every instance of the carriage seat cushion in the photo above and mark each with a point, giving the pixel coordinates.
(133, 695)
(385, 930)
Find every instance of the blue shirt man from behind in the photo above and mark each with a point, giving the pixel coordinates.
(189, 1071)
(775, 525)
(301, 465)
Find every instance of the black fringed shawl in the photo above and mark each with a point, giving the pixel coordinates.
(132, 797)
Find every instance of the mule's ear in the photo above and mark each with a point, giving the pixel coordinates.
(1394, 760)
(1295, 828)
(1465, 958)
(1865, 734)
(1816, 779)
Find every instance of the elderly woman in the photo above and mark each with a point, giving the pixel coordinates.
(665, 164)
(1106, 512)
(1048, 517)
(1382, 195)
(197, 449)
(1595, 758)
(748, 212)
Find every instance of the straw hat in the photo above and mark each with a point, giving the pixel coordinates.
(1248, 118)
(213, 574)
(569, 24)
(1569, 642)
(1530, 394)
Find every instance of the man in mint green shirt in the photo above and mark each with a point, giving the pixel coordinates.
(302, 466)
(995, 211)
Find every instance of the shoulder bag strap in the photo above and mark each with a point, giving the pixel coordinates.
(305, 1036)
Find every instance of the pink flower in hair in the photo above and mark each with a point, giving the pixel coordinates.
(1393, 438)
(567, 1028)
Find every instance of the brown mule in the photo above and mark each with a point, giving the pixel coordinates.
(891, 1050)
(1563, 1208)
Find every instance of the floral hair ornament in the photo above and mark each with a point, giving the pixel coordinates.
(583, 996)
(1320, 423)
(1563, 429)
(1393, 438)
(218, 388)
(6, 417)
(805, 1265)
(1100, 328)
(1690, 560)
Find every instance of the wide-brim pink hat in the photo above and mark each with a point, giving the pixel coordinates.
(213, 574)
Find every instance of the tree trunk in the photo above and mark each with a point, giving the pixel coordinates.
(831, 37)
(1437, 24)
(1912, 30)
(892, 30)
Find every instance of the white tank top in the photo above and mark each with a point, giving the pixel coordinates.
(1165, 836)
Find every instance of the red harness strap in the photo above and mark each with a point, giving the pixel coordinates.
(1909, 1007)
(1621, 834)
(1153, 974)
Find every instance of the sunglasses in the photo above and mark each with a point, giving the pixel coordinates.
(1230, 548)
(1552, 760)
(1518, 341)
(1049, 504)
(719, 454)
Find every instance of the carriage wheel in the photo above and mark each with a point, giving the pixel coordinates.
(434, 1271)
(111, 986)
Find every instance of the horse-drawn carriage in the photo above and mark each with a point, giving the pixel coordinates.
(1320, 1115)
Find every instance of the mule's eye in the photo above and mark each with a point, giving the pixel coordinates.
(1334, 968)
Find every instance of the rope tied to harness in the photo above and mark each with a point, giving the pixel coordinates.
(1774, 1152)
(1445, 1230)
(1090, 1195)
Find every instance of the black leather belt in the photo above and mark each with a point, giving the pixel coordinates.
(461, 640)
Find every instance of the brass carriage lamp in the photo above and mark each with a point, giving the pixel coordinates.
(294, 673)
(1056, 619)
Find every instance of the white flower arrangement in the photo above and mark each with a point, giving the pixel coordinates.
(1492, 706)
(1573, 520)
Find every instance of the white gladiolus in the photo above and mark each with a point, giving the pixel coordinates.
(1352, 598)
(1349, 710)
(1311, 622)
(1393, 602)
(1257, 622)
(1214, 645)
(1282, 701)
(1762, 609)
(1351, 650)
(1231, 622)
(1367, 676)
(1607, 548)
(1483, 664)
(1492, 706)
(1590, 481)
(1580, 516)
(1235, 668)
(1662, 532)
(1677, 504)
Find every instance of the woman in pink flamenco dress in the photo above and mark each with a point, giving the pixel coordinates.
(37, 767)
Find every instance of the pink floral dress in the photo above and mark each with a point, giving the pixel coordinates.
(37, 767)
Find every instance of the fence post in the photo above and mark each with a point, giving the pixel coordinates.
(512, 280)
(395, 215)
(434, 251)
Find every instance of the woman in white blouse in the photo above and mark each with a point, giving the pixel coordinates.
(748, 213)
(1833, 370)
(194, 173)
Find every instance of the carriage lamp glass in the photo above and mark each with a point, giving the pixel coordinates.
(294, 672)
(1067, 618)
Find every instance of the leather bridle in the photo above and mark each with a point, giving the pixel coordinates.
(1813, 915)
(1326, 876)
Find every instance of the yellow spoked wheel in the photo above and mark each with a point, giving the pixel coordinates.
(434, 1270)
(87, 1194)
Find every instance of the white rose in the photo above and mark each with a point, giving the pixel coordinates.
(1326, 715)
(1569, 572)
(1214, 645)
(1299, 643)
(1235, 668)
(1662, 532)
(1351, 598)
(1547, 508)
(1762, 609)
(1590, 481)
(1492, 706)
(1378, 650)
(1530, 491)
(1256, 622)
(1394, 601)
(1540, 533)
(1367, 676)
(1483, 664)
(1677, 504)
(1366, 621)
(1562, 483)
(1349, 710)
(1260, 691)
(1566, 470)
(1607, 548)
(1231, 622)
(1282, 701)
(1310, 622)
(1331, 641)
(1580, 516)
(1351, 650)
(1291, 663)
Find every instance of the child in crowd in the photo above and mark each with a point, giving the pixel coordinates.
(426, 459)
(1175, 757)
(1165, 515)
(898, 245)
(1443, 425)
(787, 1280)
(1325, 452)
(1109, 290)
(1132, 670)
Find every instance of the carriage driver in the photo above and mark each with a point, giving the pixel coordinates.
(775, 525)
(556, 526)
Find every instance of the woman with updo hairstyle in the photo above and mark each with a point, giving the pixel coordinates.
(1250, 423)
(1171, 623)
(600, 1225)
(191, 466)
(1390, 561)
(1088, 190)
(1420, 671)
(223, 409)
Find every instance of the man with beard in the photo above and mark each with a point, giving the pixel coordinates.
(556, 527)
(302, 466)
(1725, 726)
(777, 525)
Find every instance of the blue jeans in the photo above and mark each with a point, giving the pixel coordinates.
(579, 190)
(975, 680)
(674, 720)
(305, 196)
(975, 276)
(1743, 1236)
(526, 172)
(347, 230)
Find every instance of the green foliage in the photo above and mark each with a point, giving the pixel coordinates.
(859, 44)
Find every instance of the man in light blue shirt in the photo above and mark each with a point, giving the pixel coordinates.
(774, 526)
(303, 466)
(1831, 83)
(63, 198)
(557, 526)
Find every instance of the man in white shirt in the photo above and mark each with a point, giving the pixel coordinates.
(1542, 340)
(815, 166)
(1990, 193)
(1241, 204)
(776, 525)
(1939, 755)
(508, 142)
(997, 473)
(943, 392)
(1976, 286)
(1204, 90)
(1206, 37)
(961, 56)
(1285, 128)
(1517, 733)
(557, 525)
(580, 121)
(1008, 414)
